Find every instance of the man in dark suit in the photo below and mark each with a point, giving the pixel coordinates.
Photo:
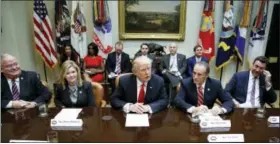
(141, 91)
(117, 62)
(252, 88)
(144, 51)
(173, 67)
(194, 59)
(199, 93)
(20, 89)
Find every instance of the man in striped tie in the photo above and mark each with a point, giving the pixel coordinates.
(198, 94)
(19, 88)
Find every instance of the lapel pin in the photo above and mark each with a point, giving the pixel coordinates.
(208, 89)
(21, 78)
(150, 87)
(80, 92)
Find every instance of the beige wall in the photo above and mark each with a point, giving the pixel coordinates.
(17, 36)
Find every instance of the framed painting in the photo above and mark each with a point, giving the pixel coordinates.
(162, 20)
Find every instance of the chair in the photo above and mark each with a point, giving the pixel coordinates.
(51, 103)
(98, 92)
(118, 78)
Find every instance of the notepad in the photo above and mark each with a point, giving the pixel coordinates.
(27, 141)
(137, 120)
(68, 113)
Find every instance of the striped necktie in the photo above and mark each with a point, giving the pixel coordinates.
(15, 91)
(199, 96)
(118, 64)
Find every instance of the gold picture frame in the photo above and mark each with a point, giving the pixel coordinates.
(159, 25)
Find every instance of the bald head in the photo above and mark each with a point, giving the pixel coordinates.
(173, 48)
(9, 66)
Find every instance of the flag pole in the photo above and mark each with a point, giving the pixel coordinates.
(45, 71)
(221, 75)
(237, 65)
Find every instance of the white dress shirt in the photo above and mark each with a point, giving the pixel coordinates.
(139, 84)
(197, 59)
(173, 63)
(247, 103)
(9, 105)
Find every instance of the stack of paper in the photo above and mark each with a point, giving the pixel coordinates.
(68, 114)
(211, 123)
(137, 120)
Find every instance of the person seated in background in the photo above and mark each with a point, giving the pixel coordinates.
(173, 67)
(19, 88)
(141, 91)
(71, 90)
(118, 62)
(253, 88)
(199, 93)
(194, 59)
(93, 65)
(144, 51)
(69, 53)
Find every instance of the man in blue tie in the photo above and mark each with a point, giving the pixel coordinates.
(194, 59)
(19, 88)
(253, 88)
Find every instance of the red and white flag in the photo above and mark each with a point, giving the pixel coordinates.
(43, 33)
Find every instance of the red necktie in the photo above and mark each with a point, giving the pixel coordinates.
(141, 94)
(199, 96)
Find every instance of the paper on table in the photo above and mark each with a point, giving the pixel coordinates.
(209, 117)
(68, 114)
(29, 141)
(137, 120)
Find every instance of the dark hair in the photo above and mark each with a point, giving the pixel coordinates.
(74, 55)
(205, 64)
(195, 47)
(95, 49)
(144, 44)
(262, 59)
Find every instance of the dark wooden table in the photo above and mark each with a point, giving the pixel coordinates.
(170, 125)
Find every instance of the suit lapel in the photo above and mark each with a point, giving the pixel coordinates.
(134, 88)
(168, 62)
(206, 92)
(148, 91)
(193, 90)
(22, 84)
(246, 82)
(178, 60)
(261, 87)
(5, 83)
(79, 95)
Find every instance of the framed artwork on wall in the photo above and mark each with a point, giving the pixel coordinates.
(161, 20)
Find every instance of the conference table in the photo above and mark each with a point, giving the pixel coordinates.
(108, 125)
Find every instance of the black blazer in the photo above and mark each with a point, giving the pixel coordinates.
(187, 96)
(181, 62)
(126, 92)
(31, 89)
(85, 96)
(125, 63)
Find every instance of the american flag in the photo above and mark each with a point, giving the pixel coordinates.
(78, 24)
(43, 33)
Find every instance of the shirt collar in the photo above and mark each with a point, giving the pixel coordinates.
(16, 80)
(203, 85)
(139, 83)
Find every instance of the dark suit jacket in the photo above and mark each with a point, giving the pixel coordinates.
(150, 57)
(187, 96)
(238, 86)
(31, 89)
(191, 62)
(85, 96)
(126, 92)
(125, 63)
(181, 62)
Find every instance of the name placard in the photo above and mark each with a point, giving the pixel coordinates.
(215, 124)
(66, 124)
(274, 119)
(225, 138)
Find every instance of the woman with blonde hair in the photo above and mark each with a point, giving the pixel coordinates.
(71, 90)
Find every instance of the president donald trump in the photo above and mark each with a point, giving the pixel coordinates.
(141, 91)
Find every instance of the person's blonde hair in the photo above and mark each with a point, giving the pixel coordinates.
(140, 60)
(65, 66)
